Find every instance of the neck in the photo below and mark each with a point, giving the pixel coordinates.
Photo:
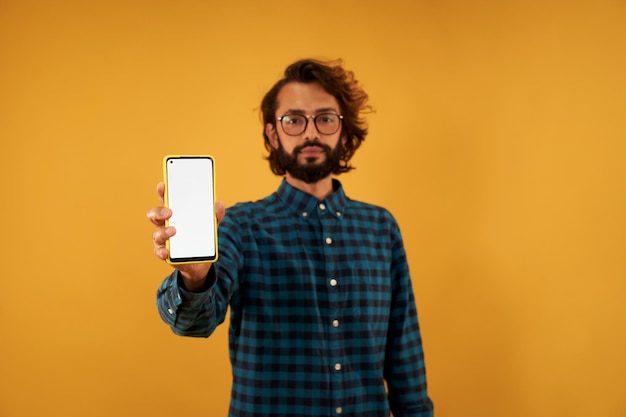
(320, 189)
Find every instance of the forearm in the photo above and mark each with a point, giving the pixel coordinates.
(188, 313)
(408, 394)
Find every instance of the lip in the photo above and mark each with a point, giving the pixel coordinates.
(311, 151)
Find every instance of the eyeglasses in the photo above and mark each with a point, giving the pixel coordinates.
(296, 124)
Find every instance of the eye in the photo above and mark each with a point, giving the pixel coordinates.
(293, 120)
(327, 118)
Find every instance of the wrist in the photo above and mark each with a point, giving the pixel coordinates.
(194, 280)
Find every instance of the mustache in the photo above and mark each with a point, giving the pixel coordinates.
(317, 144)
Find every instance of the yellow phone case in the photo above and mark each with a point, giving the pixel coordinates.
(180, 261)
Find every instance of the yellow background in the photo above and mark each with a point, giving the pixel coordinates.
(497, 142)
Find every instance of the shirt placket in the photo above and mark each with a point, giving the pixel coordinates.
(334, 322)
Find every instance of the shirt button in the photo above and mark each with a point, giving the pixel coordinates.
(329, 241)
(169, 310)
(304, 214)
(337, 367)
(333, 282)
(335, 323)
(338, 214)
(338, 410)
(322, 206)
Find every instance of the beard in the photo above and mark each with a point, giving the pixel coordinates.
(309, 171)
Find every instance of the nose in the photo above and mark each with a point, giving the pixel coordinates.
(311, 133)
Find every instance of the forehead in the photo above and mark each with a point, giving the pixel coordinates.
(306, 97)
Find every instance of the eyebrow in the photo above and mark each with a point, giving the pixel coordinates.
(317, 111)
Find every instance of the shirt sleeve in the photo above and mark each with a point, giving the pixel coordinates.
(188, 313)
(405, 371)
(198, 314)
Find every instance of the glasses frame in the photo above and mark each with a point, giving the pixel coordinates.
(306, 122)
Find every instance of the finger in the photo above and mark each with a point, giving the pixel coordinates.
(160, 252)
(158, 215)
(162, 234)
(161, 192)
(159, 237)
(220, 211)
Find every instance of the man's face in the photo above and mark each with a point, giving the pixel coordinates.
(311, 155)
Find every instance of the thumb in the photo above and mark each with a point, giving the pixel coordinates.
(220, 211)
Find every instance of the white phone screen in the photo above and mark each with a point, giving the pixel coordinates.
(190, 196)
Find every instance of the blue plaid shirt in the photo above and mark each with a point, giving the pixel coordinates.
(322, 309)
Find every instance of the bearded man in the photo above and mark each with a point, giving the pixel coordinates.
(323, 319)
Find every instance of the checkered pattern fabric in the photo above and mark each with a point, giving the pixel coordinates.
(322, 313)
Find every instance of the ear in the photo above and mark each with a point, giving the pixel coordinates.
(270, 131)
(344, 138)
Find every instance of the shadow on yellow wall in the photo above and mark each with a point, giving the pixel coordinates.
(498, 143)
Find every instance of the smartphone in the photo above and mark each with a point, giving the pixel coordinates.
(190, 194)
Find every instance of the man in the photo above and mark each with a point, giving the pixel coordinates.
(323, 317)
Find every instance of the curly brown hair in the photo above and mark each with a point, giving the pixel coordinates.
(338, 82)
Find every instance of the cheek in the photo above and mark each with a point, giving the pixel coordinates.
(288, 149)
(341, 141)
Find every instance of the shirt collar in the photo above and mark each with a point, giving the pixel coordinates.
(300, 202)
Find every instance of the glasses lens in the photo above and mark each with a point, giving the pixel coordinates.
(327, 123)
(293, 124)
